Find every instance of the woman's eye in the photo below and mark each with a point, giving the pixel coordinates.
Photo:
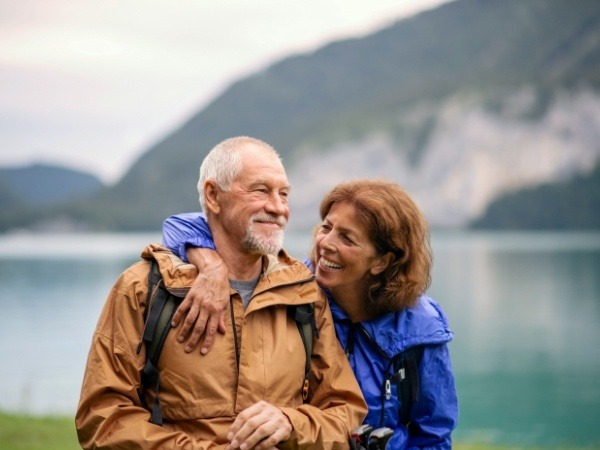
(346, 239)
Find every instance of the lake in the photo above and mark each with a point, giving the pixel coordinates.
(525, 309)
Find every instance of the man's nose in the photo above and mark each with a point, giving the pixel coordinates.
(277, 205)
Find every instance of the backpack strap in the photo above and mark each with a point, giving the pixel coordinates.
(406, 376)
(304, 315)
(160, 307)
(404, 368)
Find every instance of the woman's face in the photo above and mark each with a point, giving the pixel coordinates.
(344, 254)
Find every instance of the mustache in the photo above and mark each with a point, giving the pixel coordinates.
(270, 218)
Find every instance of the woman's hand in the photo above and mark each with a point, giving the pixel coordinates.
(205, 304)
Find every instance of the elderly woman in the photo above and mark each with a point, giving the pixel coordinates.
(372, 257)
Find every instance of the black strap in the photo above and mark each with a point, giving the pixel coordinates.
(151, 376)
(304, 315)
(161, 306)
(405, 374)
(406, 377)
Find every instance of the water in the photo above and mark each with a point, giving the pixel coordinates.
(525, 309)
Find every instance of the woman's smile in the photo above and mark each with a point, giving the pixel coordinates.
(327, 264)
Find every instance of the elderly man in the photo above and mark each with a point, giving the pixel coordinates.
(247, 392)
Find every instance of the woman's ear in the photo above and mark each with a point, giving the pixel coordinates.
(212, 197)
(381, 263)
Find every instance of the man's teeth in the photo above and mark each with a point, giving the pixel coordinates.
(330, 264)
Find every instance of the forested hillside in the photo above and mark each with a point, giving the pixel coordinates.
(454, 104)
(572, 205)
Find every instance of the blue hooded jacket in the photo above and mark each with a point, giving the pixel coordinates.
(435, 414)
(370, 346)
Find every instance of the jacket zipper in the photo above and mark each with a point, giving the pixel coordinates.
(235, 341)
(386, 391)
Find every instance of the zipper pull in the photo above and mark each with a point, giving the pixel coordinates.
(305, 386)
(351, 339)
(388, 389)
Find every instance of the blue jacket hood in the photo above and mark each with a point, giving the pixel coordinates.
(394, 332)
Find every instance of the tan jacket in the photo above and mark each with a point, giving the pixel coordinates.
(200, 396)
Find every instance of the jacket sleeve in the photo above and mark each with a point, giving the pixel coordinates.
(336, 404)
(435, 415)
(110, 414)
(186, 230)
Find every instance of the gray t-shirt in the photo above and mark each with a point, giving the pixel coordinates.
(244, 288)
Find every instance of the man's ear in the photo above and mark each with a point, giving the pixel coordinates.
(381, 263)
(212, 196)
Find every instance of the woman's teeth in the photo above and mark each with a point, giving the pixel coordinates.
(330, 264)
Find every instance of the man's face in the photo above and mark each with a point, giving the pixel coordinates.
(255, 210)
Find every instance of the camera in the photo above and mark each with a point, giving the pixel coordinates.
(365, 437)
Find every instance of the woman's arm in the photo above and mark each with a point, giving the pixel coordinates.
(186, 230)
(189, 237)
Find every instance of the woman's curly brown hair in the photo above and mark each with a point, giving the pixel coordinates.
(395, 224)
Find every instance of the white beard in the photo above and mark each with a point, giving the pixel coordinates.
(264, 243)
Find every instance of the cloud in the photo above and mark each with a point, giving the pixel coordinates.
(93, 83)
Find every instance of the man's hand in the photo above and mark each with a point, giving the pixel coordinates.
(260, 427)
(205, 303)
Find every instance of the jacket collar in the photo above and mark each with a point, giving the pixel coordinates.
(278, 271)
(396, 331)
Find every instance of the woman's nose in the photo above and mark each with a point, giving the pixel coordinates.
(328, 242)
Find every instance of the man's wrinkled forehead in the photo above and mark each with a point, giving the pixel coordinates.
(251, 150)
(262, 163)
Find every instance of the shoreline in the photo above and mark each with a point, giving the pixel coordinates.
(22, 431)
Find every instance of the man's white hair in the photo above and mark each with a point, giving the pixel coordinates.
(224, 163)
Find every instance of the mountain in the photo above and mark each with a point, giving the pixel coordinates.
(45, 185)
(460, 105)
(572, 205)
(32, 191)
(8, 198)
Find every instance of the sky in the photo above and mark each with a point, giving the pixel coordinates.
(93, 84)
